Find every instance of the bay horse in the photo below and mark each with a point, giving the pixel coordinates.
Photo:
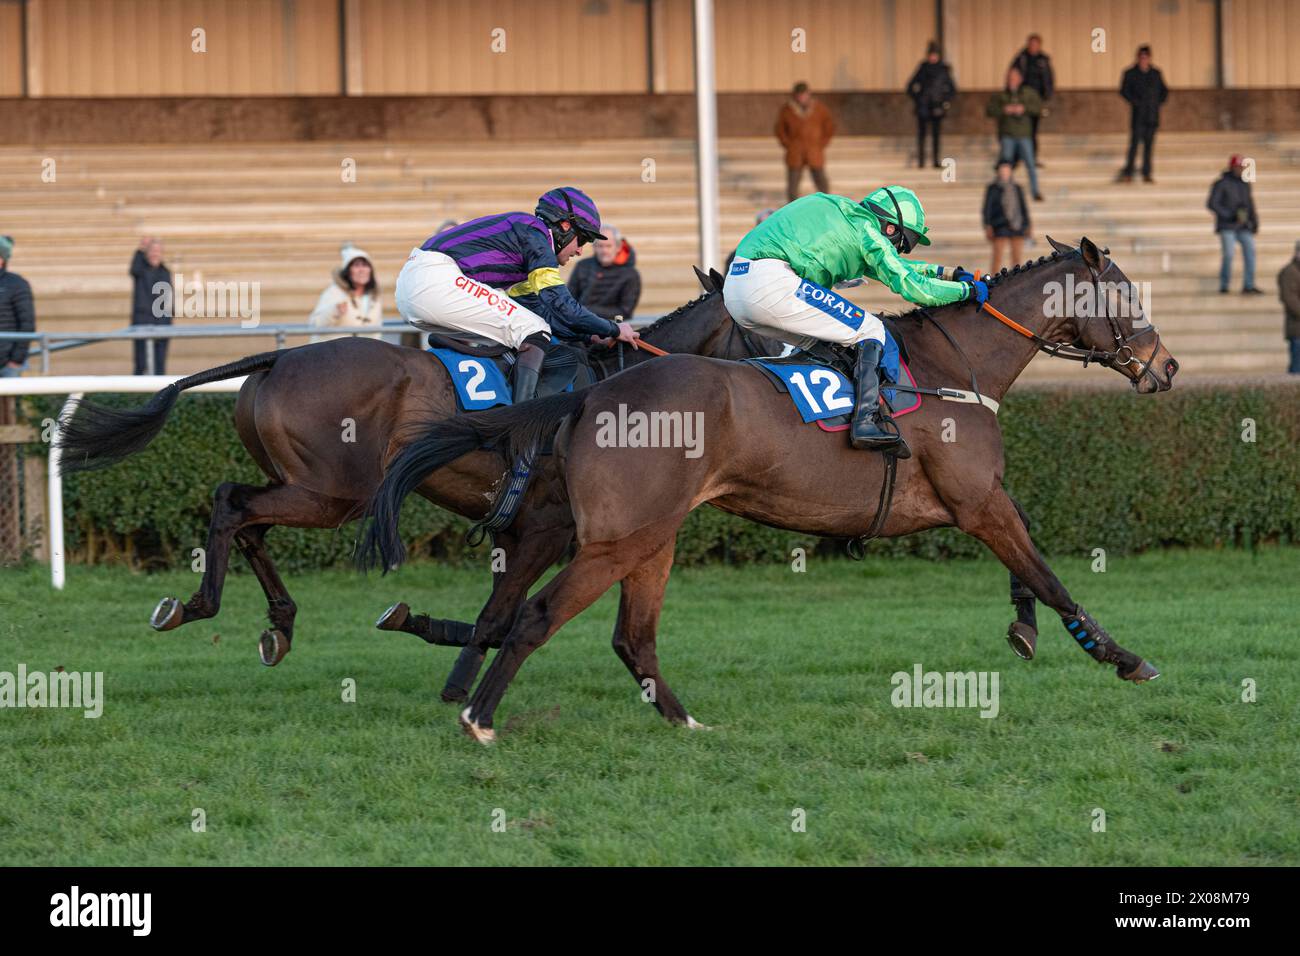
(760, 461)
(291, 415)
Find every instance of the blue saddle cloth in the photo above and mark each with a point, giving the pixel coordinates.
(479, 381)
(822, 392)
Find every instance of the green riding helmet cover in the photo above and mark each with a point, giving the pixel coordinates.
(902, 207)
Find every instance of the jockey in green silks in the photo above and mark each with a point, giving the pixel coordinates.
(780, 283)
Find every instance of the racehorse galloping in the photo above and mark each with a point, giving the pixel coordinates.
(290, 415)
(761, 462)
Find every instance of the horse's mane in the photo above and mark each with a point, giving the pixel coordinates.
(675, 313)
(993, 281)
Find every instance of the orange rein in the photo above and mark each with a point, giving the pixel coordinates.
(1009, 323)
(652, 349)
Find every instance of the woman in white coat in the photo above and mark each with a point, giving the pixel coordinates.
(351, 300)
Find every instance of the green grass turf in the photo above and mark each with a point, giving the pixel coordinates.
(791, 670)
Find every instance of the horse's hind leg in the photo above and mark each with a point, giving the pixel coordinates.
(997, 523)
(276, 641)
(1022, 635)
(570, 592)
(636, 631)
(206, 601)
(235, 507)
(525, 564)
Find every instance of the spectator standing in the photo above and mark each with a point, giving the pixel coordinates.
(1014, 109)
(150, 305)
(607, 282)
(1236, 223)
(805, 127)
(932, 90)
(17, 314)
(1144, 89)
(1036, 68)
(1006, 217)
(1288, 290)
(351, 300)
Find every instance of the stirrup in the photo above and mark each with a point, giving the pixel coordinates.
(892, 442)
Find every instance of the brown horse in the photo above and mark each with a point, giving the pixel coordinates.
(761, 462)
(321, 420)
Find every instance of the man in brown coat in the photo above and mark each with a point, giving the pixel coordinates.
(1288, 290)
(804, 127)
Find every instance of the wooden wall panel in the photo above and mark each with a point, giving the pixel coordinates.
(11, 48)
(849, 44)
(144, 47)
(984, 35)
(446, 46)
(292, 47)
(1261, 43)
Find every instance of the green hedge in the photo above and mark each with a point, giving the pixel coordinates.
(1092, 468)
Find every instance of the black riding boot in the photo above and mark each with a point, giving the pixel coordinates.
(528, 366)
(865, 432)
(525, 383)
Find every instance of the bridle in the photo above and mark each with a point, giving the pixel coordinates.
(1123, 354)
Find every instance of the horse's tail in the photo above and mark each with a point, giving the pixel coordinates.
(95, 436)
(516, 430)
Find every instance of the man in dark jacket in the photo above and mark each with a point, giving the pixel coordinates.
(1288, 290)
(607, 283)
(16, 313)
(1236, 223)
(931, 89)
(1036, 67)
(1145, 91)
(147, 272)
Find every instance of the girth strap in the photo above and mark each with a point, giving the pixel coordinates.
(857, 546)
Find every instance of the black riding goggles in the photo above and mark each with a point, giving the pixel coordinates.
(904, 239)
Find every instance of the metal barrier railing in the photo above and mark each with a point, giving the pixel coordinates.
(49, 342)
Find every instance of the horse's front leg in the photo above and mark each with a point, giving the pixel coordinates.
(1022, 634)
(997, 522)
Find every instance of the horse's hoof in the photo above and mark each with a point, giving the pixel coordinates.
(1141, 674)
(484, 735)
(693, 724)
(272, 646)
(1023, 640)
(394, 617)
(167, 615)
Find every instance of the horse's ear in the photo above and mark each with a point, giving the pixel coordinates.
(705, 280)
(717, 278)
(1060, 247)
(1091, 254)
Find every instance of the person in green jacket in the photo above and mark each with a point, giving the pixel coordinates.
(1015, 109)
(779, 284)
